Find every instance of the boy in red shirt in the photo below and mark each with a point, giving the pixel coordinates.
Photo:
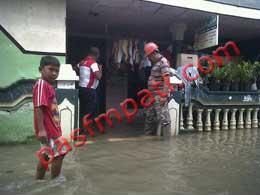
(46, 114)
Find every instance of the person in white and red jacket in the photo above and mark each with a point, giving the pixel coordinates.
(89, 75)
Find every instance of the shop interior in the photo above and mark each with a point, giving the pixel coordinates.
(119, 28)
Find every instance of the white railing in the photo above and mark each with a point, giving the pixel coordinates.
(217, 118)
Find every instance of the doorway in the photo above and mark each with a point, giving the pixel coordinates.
(77, 49)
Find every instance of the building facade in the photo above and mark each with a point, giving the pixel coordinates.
(30, 29)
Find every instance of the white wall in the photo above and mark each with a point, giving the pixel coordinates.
(37, 25)
(212, 7)
(244, 3)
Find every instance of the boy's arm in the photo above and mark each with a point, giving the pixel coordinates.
(42, 135)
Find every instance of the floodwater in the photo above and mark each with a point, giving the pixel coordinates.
(214, 163)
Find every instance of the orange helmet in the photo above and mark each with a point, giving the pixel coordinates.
(149, 48)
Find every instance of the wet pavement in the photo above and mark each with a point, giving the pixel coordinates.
(214, 163)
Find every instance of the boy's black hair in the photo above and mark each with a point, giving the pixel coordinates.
(94, 51)
(49, 60)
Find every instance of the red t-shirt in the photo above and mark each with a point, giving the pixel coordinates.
(44, 96)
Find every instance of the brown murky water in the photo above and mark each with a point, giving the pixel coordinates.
(217, 163)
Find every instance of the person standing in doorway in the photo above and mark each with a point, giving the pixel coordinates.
(158, 113)
(89, 75)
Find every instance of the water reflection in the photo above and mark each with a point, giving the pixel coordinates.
(223, 162)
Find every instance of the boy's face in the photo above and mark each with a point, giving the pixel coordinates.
(49, 72)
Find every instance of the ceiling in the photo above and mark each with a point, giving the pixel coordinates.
(136, 18)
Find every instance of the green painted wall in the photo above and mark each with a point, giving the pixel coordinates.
(17, 126)
(15, 65)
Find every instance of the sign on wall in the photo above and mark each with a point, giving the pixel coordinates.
(207, 35)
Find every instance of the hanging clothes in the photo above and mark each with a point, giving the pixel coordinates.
(115, 51)
(141, 51)
(130, 51)
(119, 55)
(136, 52)
(125, 49)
